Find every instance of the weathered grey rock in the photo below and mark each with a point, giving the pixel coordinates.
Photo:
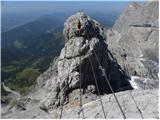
(138, 16)
(73, 65)
(91, 88)
(143, 83)
(134, 44)
(133, 40)
(89, 27)
(146, 100)
(25, 108)
(126, 18)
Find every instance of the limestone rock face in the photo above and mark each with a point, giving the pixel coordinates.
(127, 16)
(83, 44)
(138, 16)
(147, 101)
(134, 40)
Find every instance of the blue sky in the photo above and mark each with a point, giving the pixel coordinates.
(14, 11)
(103, 6)
(40, 8)
(51, 6)
(75, 0)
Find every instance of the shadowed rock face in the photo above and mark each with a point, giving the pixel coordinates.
(82, 45)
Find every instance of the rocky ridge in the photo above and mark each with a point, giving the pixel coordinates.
(76, 58)
(59, 85)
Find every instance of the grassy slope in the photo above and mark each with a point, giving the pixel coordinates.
(25, 55)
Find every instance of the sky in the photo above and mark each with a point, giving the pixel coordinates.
(75, 0)
(53, 7)
(20, 12)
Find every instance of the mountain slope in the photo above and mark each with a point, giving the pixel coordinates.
(30, 48)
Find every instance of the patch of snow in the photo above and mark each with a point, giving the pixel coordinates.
(132, 82)
(141, 59)
(141, 56)
(131, 6)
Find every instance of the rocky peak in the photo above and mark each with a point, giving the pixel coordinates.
(84, 42)
(133, 6)
(138, 15)
(88, 27)
(129, 13)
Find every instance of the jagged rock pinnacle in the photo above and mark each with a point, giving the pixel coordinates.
(89, 27)
(84, 38)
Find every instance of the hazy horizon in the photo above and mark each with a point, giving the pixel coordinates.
(16, 13)
(61, 6)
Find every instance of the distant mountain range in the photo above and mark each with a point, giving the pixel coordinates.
(12, 21)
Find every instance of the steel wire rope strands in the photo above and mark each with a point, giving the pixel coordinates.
(132, 97)
(103, 72)
(97, 88)
(136, 105)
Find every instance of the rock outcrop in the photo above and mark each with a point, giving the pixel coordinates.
(147, 101)
(134, 39)
(136, 15)
(74, 65)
